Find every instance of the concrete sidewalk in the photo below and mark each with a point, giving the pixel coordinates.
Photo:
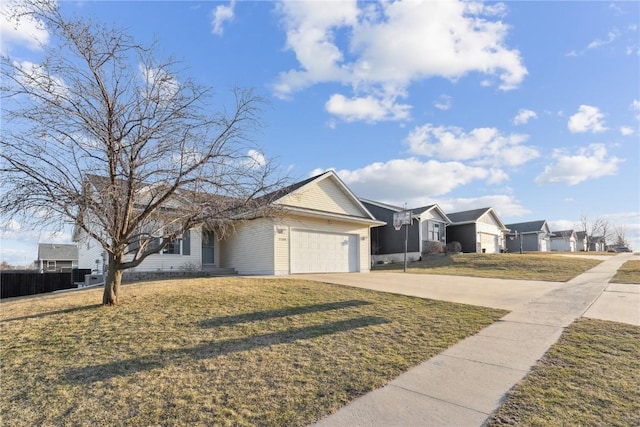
(463, 385)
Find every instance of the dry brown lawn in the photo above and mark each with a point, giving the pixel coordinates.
(545, 267)
(223, 351)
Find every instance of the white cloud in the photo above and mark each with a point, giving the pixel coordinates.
(39, 80)
(611, 37)
(392, 44)
(484, 146)
(523, 116)
(588, 163)
(368, 109)
(627, 130)
(25, 31)
(409, 180)
(444, 102)
(257, 158)
(587, 119)
(504, 205)
(220, 15)
(635, 106)
(158, 82)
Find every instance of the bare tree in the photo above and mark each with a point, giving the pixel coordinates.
(103, 134)
(620, 236)
(593, 229)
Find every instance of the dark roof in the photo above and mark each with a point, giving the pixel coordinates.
(526, 227)
(467, 216)
(562, 233)
(423, 208)
(56, 251)
(281, 192)
(581, 234)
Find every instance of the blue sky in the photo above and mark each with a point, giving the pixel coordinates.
(532, 108)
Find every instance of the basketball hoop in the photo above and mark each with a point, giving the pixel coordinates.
(400, 219)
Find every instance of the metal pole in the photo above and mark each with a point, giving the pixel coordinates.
(406, 236)
(520, 242)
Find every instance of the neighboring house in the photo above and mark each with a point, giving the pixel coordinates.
(564, 240)
(597, 244)
(477, 230)
(582, 241)
(529, 236)
(321, 227)
(428, 225)
(56, 257)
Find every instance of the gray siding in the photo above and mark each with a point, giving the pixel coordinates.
(465, 234)
(529, 243)
(388, 240)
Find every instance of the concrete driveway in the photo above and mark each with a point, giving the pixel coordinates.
(495, 293)
(617, 302)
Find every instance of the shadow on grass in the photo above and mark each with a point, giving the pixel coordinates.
(53, 313)
(281, 312)
(211, 350)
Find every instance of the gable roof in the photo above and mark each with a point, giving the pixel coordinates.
(279, 197)
(58, 252)
(471, 216)
(434, 207)
(386, 206)
(527, 227)
(415, 212)
(562, 234)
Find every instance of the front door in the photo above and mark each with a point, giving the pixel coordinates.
(208, 247)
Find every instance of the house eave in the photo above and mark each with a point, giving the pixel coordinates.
(333, 215)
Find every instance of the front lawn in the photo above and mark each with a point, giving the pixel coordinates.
(546, 267)
(224, 351)
(628, 273)
(589, 378)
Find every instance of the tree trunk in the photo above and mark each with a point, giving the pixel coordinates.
(113, 280)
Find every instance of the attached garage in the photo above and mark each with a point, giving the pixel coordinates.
(323, 252)
(488, 243)
(320, 226)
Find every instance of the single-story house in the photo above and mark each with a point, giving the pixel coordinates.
(321, 227)
(528, 236)
(597, 243)
(477, 230)
(57, 257)
(564, 240)
(428, 224)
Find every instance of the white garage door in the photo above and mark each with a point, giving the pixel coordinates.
(318, 252)
(489, 243)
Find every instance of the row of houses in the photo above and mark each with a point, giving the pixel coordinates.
(324, 227)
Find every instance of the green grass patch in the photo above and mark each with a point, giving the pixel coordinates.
(217, 351)
(589, 378)
(551, 267)
(628, 273)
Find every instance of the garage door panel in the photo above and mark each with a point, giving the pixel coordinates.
(320, 252)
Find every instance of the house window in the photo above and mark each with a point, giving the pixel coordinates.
(180, 246)
(434, 231)
(51, 265)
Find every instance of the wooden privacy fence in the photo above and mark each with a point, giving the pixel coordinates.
(17, 284)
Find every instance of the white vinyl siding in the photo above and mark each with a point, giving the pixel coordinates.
(287, 225)
(177, 262)
(89, 250)
(325, 196)
(250, 250)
